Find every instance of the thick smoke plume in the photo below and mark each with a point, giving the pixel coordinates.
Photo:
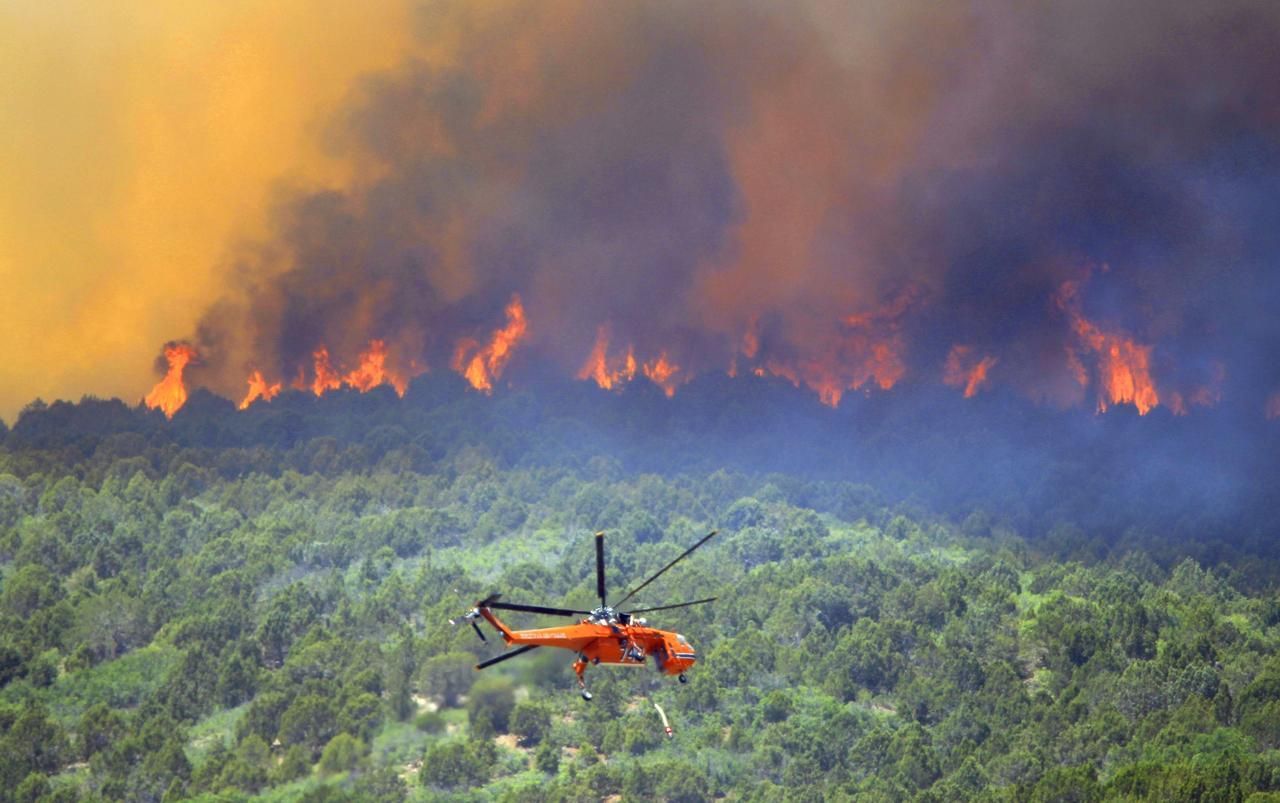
(1076, 201)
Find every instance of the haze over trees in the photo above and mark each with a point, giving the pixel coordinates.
(238, 604)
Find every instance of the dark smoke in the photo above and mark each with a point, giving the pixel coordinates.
(687, 171)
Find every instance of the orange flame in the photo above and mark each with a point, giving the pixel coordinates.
(373, 371)
(170, 393)
(849, 361)
(607, 373)
(325, 378)
(868, 349)
(483, 365)
(749, 348)
(259, 389)
(1124, 366)
(665, 374)
(961, 371)
(612, 372)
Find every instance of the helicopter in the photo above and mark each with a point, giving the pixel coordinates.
(606, 635)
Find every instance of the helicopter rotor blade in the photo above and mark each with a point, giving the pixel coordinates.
(600, 568)
(511, 654)
(660, 572)
(513, 606)
(479, 632)
(677, 605)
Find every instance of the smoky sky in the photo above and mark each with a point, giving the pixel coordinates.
(688, 173)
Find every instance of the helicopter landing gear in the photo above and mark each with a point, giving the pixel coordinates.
(579, 668)
(683, 678)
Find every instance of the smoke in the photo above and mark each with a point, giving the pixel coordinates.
(139, 140)
(839, 194)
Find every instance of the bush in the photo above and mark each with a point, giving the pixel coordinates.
(343, 753)
(458, 764)
(490, 705)
(531, 722)
(429, 722)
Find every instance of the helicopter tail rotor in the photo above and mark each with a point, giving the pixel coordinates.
(472, 615)
(470, 618)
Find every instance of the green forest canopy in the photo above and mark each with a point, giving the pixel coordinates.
(218, 622)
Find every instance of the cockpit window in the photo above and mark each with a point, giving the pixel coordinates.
(682, 639)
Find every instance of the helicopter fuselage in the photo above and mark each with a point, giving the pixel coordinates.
(604, 638)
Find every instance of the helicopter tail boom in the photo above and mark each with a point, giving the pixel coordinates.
(507, 635)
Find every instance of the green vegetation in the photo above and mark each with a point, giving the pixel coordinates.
(221, 623)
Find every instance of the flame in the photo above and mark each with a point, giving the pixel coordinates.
(1124, 366)
(867, 349)
(612, 372)
(875, 363)
(961, 370)
(373, 371)
(749, 347)
(846, 364)
(482, 365)
(608, 374)
(665, 374)
(259, 389)
(170, 393)
(1201, 395)
(751, 340)
(325, 377)
(861, 351)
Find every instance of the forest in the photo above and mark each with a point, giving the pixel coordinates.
(232, 606)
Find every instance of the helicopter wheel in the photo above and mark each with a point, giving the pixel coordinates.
(586, 695)
(684, 678)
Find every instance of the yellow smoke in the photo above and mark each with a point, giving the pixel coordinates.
(138, 140)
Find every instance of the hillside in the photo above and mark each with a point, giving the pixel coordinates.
(231, 605)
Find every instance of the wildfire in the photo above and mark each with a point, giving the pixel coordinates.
(866, 350)
(664, 373)
(962, 371)
(749, 348)
(853, 362)
(608, 374)
(372, 371)
(259, 389)
(1206, 395)
(611, 372)
(1124, 366)
(860, 351)
(170, 393)
(325, 377)
(482, 365)
(751, 340)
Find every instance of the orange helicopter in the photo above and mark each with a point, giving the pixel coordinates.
(606, 635)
